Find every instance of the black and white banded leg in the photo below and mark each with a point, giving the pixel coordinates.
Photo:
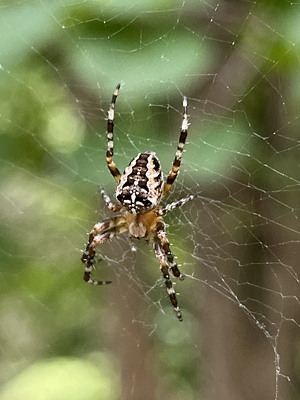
(177, 160)
(162, 236)
(167, 262)
(113, 207)
(110, 137)
(165, 272)
(175, 204)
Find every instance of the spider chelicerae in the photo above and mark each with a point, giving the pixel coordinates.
(139, 191)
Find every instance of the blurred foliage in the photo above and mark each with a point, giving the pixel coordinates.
(64, 378)
(59, 63)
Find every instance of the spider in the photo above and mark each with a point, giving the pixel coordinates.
(139, 192)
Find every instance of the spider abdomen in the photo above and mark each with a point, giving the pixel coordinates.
(140, 187)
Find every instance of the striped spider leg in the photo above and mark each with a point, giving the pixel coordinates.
(110, 137)
(167, 262)
(177, 160)
(101, 231)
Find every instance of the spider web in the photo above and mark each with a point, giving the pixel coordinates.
(237, 243)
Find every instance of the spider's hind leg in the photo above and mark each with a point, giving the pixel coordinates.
(166, 260)
(102, 231)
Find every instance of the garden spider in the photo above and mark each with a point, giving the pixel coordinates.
(140, 190)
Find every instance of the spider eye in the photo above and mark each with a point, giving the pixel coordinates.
(136, 201)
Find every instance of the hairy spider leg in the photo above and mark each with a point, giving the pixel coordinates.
(162, 236)
(102, 231)
(166, 261)
(110, 137)
(108, 201)
(177, 160)
(165, 272)
(175, 204)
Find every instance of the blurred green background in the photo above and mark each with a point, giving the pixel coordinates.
(238, 64)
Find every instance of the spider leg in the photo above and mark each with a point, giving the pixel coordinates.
(166, 260)
(162, 236)
(108, 201)
(177, 160)
(102, 231)
(174, 204)
(110, 137)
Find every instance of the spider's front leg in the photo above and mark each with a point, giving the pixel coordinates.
(110, 137)
(177, 160)
(102, 231)
(166, 260)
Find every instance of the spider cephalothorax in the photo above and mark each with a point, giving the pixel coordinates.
(139, 191)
